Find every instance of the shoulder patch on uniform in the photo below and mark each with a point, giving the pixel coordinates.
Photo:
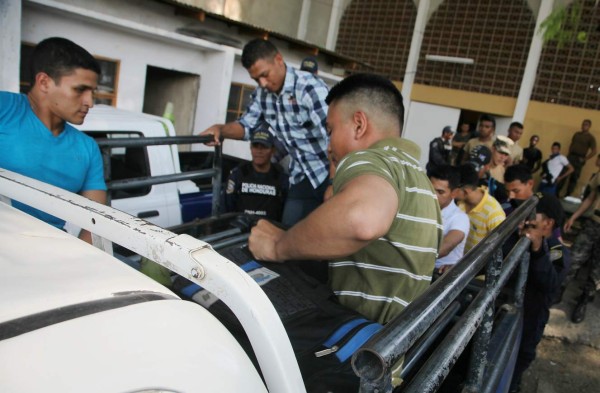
(230, 187)
(555, 255)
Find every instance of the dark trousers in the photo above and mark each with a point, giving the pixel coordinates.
(302, 199)
(577, 162)
(586, 248)
(533, 331)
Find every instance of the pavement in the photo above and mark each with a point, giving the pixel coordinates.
(560, 326)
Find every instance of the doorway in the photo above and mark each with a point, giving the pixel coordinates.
(180, 89)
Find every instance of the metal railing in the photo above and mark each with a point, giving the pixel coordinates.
(189, 257)
(215, 173)
(373, 361)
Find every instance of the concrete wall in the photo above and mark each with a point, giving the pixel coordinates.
(10, 17)
(136, 48)
(425, 122)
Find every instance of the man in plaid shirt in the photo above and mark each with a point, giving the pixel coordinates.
(293, 104)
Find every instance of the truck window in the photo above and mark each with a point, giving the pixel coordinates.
(126, 163)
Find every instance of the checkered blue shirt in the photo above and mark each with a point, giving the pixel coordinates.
(297, 115)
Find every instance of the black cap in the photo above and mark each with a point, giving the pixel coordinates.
(480, 156)
(263, 137)
(309, 64)
(550, 206)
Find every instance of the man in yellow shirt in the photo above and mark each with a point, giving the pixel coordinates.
(485, 213)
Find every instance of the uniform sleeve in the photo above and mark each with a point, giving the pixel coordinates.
(94, 179)
(435, 154)
(231, 195)
(542, 274)
(252, 117)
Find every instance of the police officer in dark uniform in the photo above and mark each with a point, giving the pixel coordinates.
(439, 150)
(258, 187)
(547, 268)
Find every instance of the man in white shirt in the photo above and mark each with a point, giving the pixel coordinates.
(445, 180)
(552, 171)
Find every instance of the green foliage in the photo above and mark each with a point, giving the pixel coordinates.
(562, 25)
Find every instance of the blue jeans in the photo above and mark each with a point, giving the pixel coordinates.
(302, 199)
(548, 188)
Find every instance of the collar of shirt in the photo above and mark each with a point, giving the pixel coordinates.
(410, 148)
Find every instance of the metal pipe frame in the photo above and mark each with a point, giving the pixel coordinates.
(437, 367)
(479, 349)
(106, 144)
(151, 180)
(184, 255)
(507, 333)
(152, 141)
(386, 347)
(416, 353)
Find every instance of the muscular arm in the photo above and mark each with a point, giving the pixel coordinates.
(342, 225)
(450, 241)
(96, 196)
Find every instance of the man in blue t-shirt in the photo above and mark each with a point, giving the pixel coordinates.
(35, 139)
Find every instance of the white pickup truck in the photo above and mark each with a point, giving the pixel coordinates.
(74, 319)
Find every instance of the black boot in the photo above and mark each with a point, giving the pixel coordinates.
(579, 312)
(587, 296)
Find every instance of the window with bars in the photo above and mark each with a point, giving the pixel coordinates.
(239, 99)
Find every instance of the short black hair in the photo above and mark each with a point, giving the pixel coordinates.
(468, 176)
(587, 121)
(516, 124)
(57, 57)
(376, 90)
(258, 49)
(448, 173)
(535, 136)
(490, 118)
(556, 144)
(517, 172)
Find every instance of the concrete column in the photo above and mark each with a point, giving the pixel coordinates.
(334, 24)
(303, 22)
(413, 55)
(10, 44)
(533, 59)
